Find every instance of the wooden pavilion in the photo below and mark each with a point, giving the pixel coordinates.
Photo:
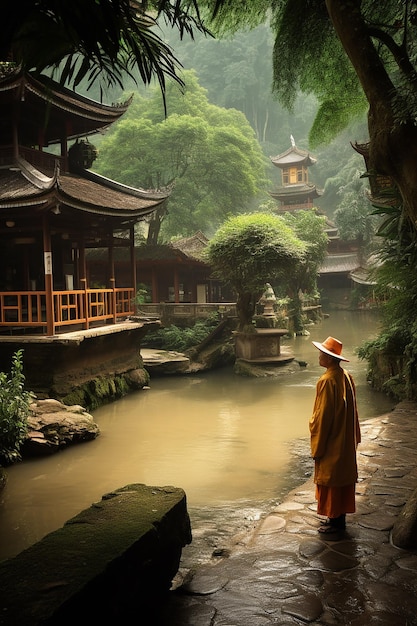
(52, 209)
(171, 273)
(295, 192)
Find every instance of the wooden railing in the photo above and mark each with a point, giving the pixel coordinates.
(22, 308)
(80, 307)
(184, 313)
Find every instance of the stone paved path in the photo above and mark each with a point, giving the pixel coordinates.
(285, 573)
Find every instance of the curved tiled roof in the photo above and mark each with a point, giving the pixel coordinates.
(339, 263)
(293, 156)
(88, 195)
(22, 185)
(301, 190)
(43, 104)
(193, 246)
(161, 253)
(32, 183)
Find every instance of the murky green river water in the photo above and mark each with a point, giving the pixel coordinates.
(226, 440)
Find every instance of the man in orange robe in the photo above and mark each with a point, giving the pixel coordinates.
(334, 436)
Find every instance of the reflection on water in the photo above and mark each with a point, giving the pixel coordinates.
(221, 437)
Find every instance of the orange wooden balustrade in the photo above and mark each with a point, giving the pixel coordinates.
(27, 309)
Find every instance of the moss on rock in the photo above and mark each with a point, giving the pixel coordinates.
(103, 389)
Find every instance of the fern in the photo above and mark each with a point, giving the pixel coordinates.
(181, 339)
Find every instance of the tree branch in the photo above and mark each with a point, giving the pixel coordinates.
(398, 52)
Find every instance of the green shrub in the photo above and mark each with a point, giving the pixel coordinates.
(14, 410)
(181, 339)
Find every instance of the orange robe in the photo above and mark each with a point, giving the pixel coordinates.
(334, 436)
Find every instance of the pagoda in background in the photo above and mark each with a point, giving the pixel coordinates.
(295, 192)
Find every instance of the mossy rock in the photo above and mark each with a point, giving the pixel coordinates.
(111, 561)
(103, 389)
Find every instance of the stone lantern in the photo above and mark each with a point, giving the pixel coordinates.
(263, 345)
(268, 301)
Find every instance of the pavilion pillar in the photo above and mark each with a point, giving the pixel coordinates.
(133, 261)
(176, 287)
(64, 153)
(112, 277)
(82, 261)
(47, 254)
(41, 138)
(83, 283)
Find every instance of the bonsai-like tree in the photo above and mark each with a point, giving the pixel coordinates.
(248, 251)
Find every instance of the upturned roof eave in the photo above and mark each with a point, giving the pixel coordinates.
(148, 194)
(62, 97)
(106, 211)
(84, 117)
(293, 156)
(46, 191)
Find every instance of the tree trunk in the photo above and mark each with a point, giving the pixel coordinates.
(393, 147)
(245, 309)
(155, 225)
(295, 322)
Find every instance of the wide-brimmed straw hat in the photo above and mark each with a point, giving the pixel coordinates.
(331, 346)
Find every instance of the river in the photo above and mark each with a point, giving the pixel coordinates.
(228, 441)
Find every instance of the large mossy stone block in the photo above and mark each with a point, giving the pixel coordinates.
(114, 559)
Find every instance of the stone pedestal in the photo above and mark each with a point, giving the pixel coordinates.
(262, 346)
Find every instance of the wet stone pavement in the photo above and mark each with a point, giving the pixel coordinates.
(283, 572)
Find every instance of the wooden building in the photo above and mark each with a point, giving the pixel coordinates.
(170, 273)
(295, 192)
(382, 188)
(53, 209)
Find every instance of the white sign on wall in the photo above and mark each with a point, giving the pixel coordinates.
(48, 262)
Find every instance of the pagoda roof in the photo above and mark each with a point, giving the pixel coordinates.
(94, 193)
(361, 148)
(75, 200)
(301, 190)
(339, 263)
(193, 246)
(160, 254)
(293, 156)
(365, 273)
(44, 104)
(362, 276)
(330, 228)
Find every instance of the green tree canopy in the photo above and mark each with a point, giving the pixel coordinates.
(349, 54)
(352, 55)
(237, 72)
(353, 216)
(309, 228)
(209, 154)
(248, 251)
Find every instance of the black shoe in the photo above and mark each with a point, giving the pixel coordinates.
(338, 522)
